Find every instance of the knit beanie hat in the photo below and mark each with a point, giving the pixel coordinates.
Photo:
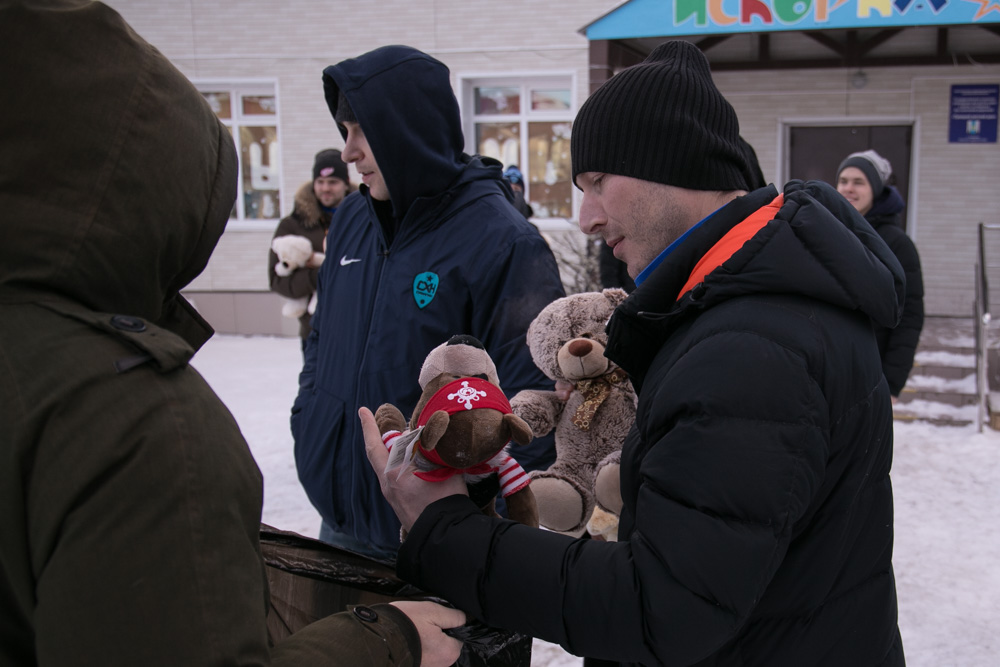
(875, 168)
(662, 120)
(754, 175)
(328, 163)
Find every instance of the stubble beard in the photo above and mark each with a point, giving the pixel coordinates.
(659, 220)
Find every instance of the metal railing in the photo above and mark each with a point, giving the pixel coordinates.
(982, 318)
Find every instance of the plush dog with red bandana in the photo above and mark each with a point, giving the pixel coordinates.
(567, 341)
(462, 424)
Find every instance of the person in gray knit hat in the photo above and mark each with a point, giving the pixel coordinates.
(863, 179)
(869, 169)
(756, 525)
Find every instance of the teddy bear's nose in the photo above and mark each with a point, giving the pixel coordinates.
(580, 348)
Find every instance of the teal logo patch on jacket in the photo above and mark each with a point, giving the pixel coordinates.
(425, 286)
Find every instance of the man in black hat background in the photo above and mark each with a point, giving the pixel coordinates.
(863, 179)
(757, 517)
(315, 204)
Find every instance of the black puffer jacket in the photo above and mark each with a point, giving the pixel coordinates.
(757, 520)
(898, 345)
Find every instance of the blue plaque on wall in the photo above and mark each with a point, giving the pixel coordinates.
(972, 118)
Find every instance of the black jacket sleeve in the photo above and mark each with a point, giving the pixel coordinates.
(900, 347)
(719, 495)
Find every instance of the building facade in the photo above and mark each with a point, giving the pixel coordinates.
(806, 95)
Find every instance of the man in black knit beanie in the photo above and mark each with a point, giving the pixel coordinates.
(756, 526)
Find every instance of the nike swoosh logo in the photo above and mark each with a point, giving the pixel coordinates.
(344, 261)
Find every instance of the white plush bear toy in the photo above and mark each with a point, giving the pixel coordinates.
(293, 253)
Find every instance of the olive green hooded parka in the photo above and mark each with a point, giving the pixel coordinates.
(129, 501)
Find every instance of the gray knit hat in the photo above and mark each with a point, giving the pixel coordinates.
(875, 168)
(662, 120)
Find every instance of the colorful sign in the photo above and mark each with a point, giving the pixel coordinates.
(973, 115)
(672, 18)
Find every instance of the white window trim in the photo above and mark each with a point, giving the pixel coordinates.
(533, 79)
(267, 86)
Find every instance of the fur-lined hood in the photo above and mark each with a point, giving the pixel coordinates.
(307, 209)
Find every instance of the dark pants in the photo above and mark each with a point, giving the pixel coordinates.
(353, 544)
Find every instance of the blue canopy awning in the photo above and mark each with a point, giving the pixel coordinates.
(676, 18)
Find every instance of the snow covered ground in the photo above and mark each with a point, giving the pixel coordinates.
(947, 495)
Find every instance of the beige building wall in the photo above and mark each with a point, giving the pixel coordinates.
(289, 43)
(953, 186)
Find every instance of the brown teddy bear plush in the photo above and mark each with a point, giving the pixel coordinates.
(567, 341)
(461, 425)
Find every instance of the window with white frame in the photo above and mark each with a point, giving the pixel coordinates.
(250, 111)
(527, 122)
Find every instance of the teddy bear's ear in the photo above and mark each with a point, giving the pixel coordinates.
(519, 430)
(434, 429)
(389, 418)
(615, 295)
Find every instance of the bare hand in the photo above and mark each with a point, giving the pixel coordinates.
(430, 619)
(409, 494)
(564, 389)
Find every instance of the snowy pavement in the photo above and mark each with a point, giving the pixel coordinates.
(946, 481)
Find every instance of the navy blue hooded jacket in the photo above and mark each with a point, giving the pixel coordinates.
(462, 261)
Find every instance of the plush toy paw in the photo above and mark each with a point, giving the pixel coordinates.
(294, 308)
(562, 504)
(603, 525)
(389, 418)
(607, 483)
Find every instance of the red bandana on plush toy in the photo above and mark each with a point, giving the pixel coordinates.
(457, 396)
